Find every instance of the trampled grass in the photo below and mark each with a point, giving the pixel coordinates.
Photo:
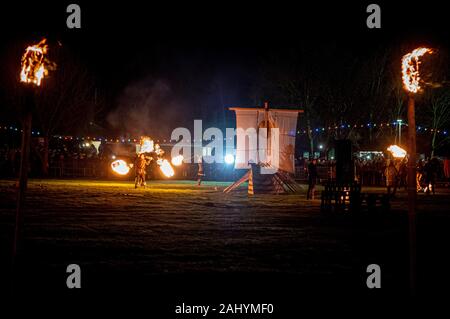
(176, 227)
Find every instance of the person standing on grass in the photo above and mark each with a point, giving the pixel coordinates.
(200, 173)
(419, 175)
(431, 171)
(403, 174)
(391, 178)
(312, 179)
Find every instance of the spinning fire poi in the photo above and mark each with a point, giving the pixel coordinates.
(147, 151)
(411, 83)
(120, 167)
(153, 151)
(165, 167)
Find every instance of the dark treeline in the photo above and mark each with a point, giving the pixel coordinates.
(338, 87)
(137, 70)
(334, 85)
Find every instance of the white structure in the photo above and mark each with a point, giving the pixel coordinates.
(269, 162)
(255, 119)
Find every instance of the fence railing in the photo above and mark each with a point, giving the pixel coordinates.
(219, 172)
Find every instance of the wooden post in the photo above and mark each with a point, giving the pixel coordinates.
(412, 192)
(24, 167)
(268, 136)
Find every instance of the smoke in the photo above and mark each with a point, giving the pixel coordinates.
(147, 107)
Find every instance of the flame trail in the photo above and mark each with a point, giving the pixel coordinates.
(120, 167)
(165, 167)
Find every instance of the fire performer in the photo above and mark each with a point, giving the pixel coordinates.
(141, 164)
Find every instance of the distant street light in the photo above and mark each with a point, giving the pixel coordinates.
(399, 122)
(229, 159)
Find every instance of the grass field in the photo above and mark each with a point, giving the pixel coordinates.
(175, 228)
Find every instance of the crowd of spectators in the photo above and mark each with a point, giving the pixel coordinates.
(381, 171)
(83, 159)
(9, 161)
(70, 159)
(61, 156)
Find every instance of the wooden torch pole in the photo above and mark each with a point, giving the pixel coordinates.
(23, 172)
(412, 192)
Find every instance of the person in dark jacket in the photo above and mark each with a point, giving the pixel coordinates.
(200, 173)
(403, 174)
(431, 171)
(312, 179)
(391, 178)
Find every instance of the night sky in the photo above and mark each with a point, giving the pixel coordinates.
(195, 59)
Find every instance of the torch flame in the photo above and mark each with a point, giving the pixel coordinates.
(34, 63)
(410, 69)
(120, 167)
(165, 167)
(177, 160)
(397, 151)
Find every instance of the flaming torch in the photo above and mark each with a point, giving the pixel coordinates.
(411, 83)
(34, 67)
(34, 63)
(410, 69)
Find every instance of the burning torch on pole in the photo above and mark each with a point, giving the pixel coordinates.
(34, 67)
(411, 78)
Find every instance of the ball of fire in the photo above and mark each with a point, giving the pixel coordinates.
(120, 167)
(397, 151)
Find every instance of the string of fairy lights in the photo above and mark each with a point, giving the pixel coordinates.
(419, 128)
(301, 131)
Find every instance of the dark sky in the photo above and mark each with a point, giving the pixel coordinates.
(187, 46)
